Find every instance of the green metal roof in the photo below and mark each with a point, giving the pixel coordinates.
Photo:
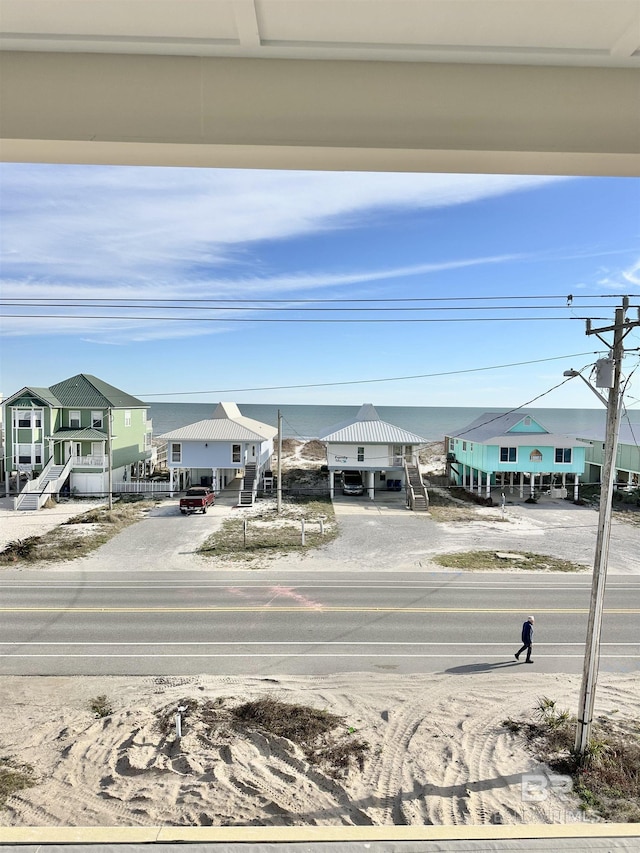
(88, 434)
(32, 398)
(89, 392)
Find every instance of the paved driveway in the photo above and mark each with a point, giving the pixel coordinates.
(374, 536)
(385, 536)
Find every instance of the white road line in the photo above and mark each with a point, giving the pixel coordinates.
(308, 657)
(586, 583)
(290, 643)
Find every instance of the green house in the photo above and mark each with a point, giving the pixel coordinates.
(81, 433)
(627, 464)
(513, 451)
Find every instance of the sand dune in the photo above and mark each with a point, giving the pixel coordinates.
(438, 752)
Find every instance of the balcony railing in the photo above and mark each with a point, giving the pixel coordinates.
(95, 460)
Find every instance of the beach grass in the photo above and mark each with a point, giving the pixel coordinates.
(478, 561)
(78, 536)
(606, 778)
(267, 532)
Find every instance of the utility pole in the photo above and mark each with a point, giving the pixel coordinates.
(612, 367)
(109, 458)
(279, 480)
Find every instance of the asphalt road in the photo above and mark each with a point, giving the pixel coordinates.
(282, 623)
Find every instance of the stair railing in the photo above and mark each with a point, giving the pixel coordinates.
(418, 488)
(43, 492)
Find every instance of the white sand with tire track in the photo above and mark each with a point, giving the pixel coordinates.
(438, 751)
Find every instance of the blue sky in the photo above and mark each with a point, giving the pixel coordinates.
(72, 232)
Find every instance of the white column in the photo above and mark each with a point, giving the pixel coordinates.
(576, 485)
(511, 482)
(479, 481)
(332, 484)
(532, 484)
(488, 490)
(521, 485)
(370, 484)
(171, 482)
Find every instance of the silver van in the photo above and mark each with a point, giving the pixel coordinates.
(352, 483)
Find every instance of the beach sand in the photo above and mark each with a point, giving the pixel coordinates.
(438, 752)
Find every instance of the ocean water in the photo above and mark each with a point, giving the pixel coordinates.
(431, 422)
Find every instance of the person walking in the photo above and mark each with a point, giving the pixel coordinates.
(527, 639)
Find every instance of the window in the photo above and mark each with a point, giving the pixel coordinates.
(147, 441)
(24, 454)
(29, 454)
(27, 418)
(535, 456)
(176, 452)
(508, 454)
(563, 455)
(74, 420)
(451, 444)
(527, 421)
(471, 447)
(236, 453)
(96, 420)
(464, 445)
(361, 454)
(127, 417)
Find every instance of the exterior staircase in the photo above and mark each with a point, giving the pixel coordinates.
(248, 492)
(418, 497)
(28, 501)
(36, 492)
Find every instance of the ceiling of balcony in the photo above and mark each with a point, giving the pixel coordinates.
(583, 33)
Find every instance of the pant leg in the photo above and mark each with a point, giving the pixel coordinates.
(529, 652)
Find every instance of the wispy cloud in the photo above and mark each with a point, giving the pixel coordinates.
(128, 328)
(146, 226)
(619, 279)
(632, 275)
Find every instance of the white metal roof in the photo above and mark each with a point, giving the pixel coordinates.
(367, 428)
(627, 434)
(226, 424)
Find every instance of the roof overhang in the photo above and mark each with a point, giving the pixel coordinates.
(518, 87)
(86, 434)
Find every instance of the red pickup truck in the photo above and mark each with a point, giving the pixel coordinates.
(197, 499)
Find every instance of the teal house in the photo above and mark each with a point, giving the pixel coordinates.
(514, 452)
(82, 434)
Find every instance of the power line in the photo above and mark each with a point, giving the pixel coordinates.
(292, 319)
(307, 308)
(309, 300)
(365, 381)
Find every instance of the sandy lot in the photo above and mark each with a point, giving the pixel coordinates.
(438, 752)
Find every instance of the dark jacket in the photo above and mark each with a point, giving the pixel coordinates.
(527, 633)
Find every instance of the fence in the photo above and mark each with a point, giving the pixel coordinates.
(143, 487)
